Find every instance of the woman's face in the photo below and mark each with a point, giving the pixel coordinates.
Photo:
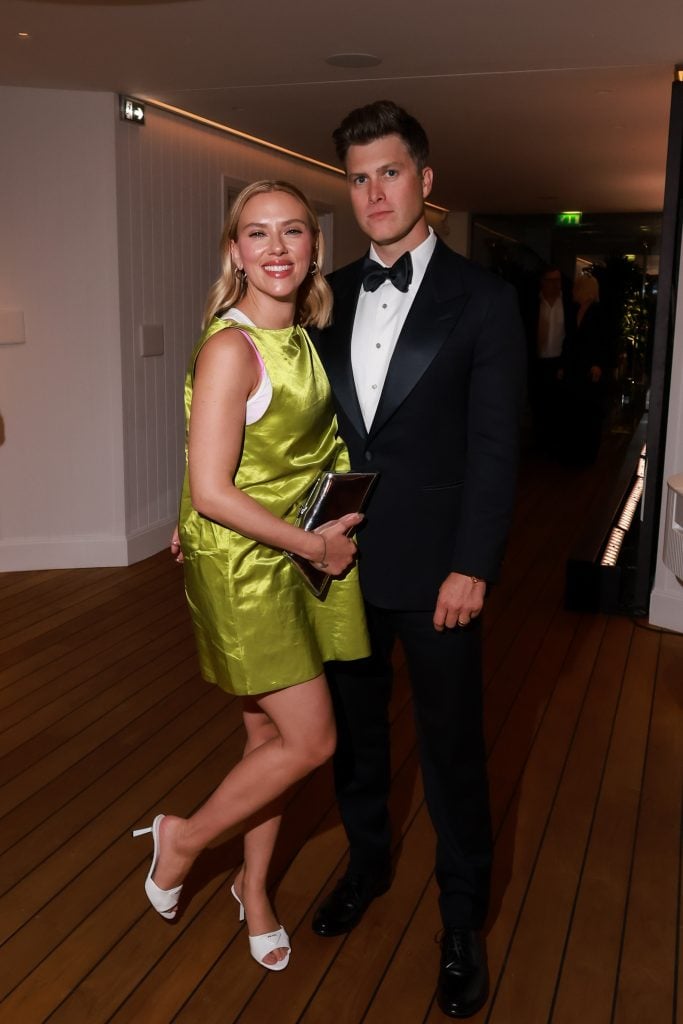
(274, 244)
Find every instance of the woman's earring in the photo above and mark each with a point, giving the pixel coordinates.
(242, 274)
(313, 269)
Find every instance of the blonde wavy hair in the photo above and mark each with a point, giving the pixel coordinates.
(314, 299)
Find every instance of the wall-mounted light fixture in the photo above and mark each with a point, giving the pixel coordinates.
(218, 126)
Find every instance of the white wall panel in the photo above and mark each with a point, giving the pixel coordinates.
(61, 467)
(666, 601)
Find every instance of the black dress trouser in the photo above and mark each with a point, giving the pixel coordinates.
(445, 674)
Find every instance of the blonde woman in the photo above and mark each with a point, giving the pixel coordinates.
(260, 428)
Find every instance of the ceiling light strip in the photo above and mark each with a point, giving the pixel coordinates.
(179, 112)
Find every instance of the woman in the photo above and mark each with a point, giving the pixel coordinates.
(260, 430)
(582, 372)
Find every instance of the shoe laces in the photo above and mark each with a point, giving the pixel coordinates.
(351, 885)
(456, 948)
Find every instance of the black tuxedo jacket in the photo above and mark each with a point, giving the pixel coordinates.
(445, 436)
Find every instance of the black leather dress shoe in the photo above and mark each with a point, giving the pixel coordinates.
(463, 976)
(346, 904)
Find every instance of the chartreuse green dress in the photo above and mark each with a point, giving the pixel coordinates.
(258, 627)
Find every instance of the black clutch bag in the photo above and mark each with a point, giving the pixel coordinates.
(332, 496)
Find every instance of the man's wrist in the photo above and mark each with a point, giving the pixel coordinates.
(473, 579)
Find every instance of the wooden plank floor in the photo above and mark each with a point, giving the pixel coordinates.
(104, 721)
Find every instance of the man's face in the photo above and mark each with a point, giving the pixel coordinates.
(551, 285)
(388, 193)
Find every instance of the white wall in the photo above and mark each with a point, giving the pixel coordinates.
(61, 467)
(666, 601)
(91, 433)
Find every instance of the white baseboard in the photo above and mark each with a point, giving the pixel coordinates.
(147, 542)
(666, 609)
(83, 552)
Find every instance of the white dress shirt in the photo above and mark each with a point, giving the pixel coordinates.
(380, 316)
(551, 328)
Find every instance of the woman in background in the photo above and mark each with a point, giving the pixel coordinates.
(261, 428)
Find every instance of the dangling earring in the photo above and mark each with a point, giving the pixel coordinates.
(313, 269)
(242, 274)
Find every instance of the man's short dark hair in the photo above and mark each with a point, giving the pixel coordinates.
(366, 124)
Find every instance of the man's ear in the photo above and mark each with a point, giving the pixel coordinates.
(427, 181)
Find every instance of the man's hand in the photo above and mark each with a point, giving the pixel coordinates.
(461, 599)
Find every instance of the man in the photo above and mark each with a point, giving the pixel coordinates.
(550, 319)
(426, 359)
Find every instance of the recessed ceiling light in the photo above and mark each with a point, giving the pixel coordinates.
(353, 60)
(23, 35)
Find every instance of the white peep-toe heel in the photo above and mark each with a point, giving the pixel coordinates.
(261, 945)
(164, 901)
(233, 891)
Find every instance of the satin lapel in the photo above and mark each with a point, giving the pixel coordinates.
(438, 305)
(338, 347)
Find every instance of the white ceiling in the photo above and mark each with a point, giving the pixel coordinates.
(530, 106)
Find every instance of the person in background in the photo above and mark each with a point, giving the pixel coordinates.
(260, 429)
(583, 376)
(425, 355)
(549, 320)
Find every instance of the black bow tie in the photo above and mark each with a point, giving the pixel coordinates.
(400, 275)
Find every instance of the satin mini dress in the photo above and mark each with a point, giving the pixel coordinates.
(258, 628)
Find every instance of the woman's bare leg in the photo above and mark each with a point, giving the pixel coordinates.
(259, 842)
(305, 739)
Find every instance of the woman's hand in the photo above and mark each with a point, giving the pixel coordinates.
(337, 550)
(176, 549)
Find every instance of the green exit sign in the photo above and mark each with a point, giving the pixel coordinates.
(568, 218)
